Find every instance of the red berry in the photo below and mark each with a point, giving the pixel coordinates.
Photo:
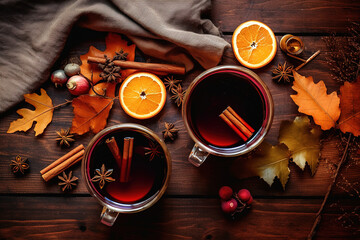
(250, 200)
(78, 85)
(244, 195)
(229, 206)
(225, 192)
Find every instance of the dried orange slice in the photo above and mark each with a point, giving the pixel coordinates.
(254, 44)
(142, 95)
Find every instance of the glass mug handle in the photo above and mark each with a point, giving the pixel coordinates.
(197, 155)
(108, 216)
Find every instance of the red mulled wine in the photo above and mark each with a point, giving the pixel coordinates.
(147, 174)
(211, 96)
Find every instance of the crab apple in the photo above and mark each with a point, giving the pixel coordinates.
(78, 85)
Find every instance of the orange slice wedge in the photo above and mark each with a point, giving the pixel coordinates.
(254, 44)
(142, 95)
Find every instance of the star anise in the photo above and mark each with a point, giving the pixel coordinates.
(121, 55)
(110, 72)
(67, 181)
(65, 138)
(283, 73)
(178, 95)
(102, 176)
(19, 165)
(170, 131)
(152, 151)
(170, 82)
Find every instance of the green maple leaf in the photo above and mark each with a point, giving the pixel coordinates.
(302, 140)
(268, 162)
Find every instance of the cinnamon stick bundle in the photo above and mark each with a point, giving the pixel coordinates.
(155, 67)
(236, 123)
(63, 163)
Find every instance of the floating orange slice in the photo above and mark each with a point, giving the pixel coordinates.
(142, 95)
(254, 44)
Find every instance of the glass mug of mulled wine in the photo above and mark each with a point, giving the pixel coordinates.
(227, 111)
(127, 168)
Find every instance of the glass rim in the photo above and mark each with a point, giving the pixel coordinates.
(260, 135)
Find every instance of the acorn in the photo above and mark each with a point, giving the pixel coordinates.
(59, 78)
(78, 85)
(72, 69)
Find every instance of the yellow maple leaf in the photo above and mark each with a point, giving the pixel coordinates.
(42, 114)
(313, 100)
(267, 162)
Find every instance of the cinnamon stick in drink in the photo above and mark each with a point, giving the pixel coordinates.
(126, 159)
(114, 148)
(237, 124)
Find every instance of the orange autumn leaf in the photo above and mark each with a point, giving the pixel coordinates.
(42, 114)
(114, 43)
(313, 100)
(350, 108)
(90, 113)
(103, 87)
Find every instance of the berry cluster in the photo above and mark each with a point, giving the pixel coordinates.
(234, 203)
(76, 84)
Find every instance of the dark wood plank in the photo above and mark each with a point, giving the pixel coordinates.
(310, 17)
(180, 218)
(186, 179)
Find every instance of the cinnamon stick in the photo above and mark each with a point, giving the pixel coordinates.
(125, 159)
(114, 148)
(156, 67)
(62, 159)
(128, 168)
(237, 123)
(233, 127)
(307, 60)
(63, 166)
(240, 119)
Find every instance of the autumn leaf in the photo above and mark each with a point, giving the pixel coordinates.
(350, 108)
(313, 100)
(302, 140)
(42, 114)
(114, 43)
(90, 113)
(103, 89)
(267, 162)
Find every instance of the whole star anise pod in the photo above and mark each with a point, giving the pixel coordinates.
(65, 138)
(121, 55)
(102, 176)
(178, 95)
(152, 151)
(67, 181)
(170, 82)
(110, 72)
(19, 165)
(170, 131)
(283, 73)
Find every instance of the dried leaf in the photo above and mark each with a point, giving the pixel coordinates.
(267, 162)
(90, 113)
(350, 108)
(302, 141)
(313, 100)
(114, 43)
(42, 114)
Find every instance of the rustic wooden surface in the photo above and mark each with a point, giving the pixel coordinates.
(33, 209)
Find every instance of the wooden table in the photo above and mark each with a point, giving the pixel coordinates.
(190, 209)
